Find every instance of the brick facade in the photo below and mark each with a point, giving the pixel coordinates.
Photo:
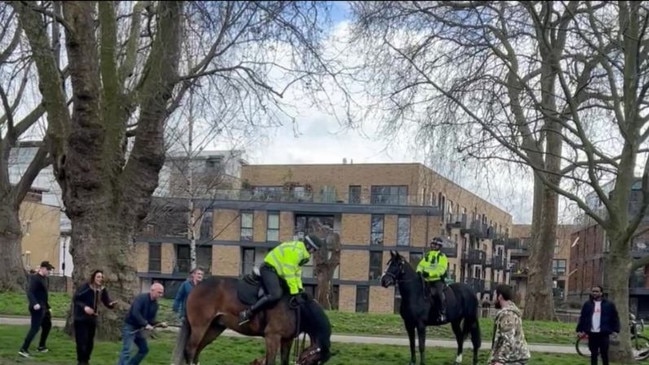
(424, 189)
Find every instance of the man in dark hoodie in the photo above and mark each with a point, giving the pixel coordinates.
(86, 309)
(598, 319)
(39, 309)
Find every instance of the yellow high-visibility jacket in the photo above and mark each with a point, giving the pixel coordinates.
(286, 259)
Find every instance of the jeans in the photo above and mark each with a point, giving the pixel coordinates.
(40, 319)
(128, 338)
(84, 336)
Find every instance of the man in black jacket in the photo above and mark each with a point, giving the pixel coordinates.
(39, 309)
(141, 316)
(598, 319)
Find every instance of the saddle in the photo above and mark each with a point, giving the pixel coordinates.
(449, 299)
(249, 288)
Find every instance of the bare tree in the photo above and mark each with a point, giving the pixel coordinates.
(125, 64)
(15, 123)
(557, 86)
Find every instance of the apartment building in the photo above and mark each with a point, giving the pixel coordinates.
(374, 208)
(590, 246)
(519, 251)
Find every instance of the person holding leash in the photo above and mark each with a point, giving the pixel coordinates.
(141, 316)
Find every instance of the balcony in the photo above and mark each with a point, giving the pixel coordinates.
(478, 285)
(498, 263)
(457, 221)
(480, 230)
(475, 257)
(325, 201)
(518, 271)
(519, 247)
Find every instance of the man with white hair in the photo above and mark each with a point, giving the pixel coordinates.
(141, 316)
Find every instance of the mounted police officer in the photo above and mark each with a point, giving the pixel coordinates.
(433, 269)
(282, 262)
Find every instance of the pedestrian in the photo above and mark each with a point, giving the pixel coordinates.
(196, 276)
(508, 346)
(86, 309)
(39, 309)
(180, 301)
(599, 319)
(141, 316)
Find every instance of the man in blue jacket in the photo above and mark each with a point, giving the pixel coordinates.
(598, 319)
(141, 316)
(196, 276)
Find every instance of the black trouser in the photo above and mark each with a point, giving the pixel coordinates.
(84, 336)
(41, 319)
(271, 283)
(598, 345)
(438, 286)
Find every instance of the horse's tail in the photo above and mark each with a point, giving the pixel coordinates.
(476, 337)
(180, 354)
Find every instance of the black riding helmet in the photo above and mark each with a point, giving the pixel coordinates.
(437, 241)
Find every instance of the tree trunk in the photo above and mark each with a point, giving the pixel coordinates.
(326, 261)
(616, 284)
(12, 272)
(100, 241)
(539, 303)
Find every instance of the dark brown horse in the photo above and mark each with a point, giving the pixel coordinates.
(214, 305)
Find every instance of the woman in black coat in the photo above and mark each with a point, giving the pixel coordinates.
(86, 309)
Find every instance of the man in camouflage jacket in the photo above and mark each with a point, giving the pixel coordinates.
(508, 346)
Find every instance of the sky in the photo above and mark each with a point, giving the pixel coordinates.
(317, 137)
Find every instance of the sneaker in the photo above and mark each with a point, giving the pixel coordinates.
(43, 349)
(23, 353)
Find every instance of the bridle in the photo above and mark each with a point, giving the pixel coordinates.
(401, 272)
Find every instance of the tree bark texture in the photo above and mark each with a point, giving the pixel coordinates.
(105, 194)
(12, 275)
(325, 266)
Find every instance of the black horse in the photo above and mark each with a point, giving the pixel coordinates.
(418, 310)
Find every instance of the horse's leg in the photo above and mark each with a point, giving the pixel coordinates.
(273, 343)
(410, 328)
(421, 332)
(195, 340)
(476, 338)
(212, 333)
(286, 351)
(459, 337)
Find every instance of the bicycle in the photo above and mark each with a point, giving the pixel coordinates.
(639, 343)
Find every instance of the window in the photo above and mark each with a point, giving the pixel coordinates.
(362, 298)
(559, 267)
(414, 258)
(376, 262)
(155, 257)
(272, 224)
(354, 194)
(248, 261)
(246, 226)
(389, 195)
(206, 226)
(376, 234)
(184, 262)
(403, 230)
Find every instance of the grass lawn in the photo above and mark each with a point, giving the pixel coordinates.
(343, 323)
(234, 351)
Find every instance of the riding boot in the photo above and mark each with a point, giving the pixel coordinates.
(442, 307)
(247, 314)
